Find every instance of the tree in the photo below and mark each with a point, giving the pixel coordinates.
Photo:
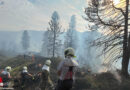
(46, 46)
(112, 18)
(54, 31)
(25, 40)
(71, 34)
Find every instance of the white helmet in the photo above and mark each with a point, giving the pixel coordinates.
(25, 68)
(69, 52)
(48, 62)
(8, 68)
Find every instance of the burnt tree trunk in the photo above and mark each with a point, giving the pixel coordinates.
(54, 41)
(129, 46)
(125, 58)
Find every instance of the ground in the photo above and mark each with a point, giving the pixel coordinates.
(84, 80)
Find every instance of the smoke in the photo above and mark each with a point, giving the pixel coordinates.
(87, 56)
(117, 76)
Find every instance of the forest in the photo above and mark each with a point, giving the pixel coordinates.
(99, 53)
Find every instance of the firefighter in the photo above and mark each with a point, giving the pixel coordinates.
(6, 76)
(26, 78)
(45, 76)
(66, 70)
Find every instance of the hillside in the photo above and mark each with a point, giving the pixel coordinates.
(84, 80)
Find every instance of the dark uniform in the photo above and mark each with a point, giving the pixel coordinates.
(26, 79)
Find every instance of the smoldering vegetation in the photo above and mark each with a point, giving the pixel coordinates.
(85, 79)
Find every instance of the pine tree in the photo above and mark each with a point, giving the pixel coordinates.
(25, 41)
(45, 45)
(71, 34)
(54, 31)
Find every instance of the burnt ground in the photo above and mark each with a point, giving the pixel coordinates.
(84, 80)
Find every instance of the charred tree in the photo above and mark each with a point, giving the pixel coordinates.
(113, 22)
(54, 31)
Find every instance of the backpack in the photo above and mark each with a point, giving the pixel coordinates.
(25, 79)
(1, 82)
(69, 74)
(45, 75)
(25, 76)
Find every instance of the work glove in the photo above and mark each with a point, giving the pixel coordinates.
(33, 78)
(52, 86)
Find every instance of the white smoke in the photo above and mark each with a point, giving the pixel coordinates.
(87, 55)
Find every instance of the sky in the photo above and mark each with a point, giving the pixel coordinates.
(18, 15)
